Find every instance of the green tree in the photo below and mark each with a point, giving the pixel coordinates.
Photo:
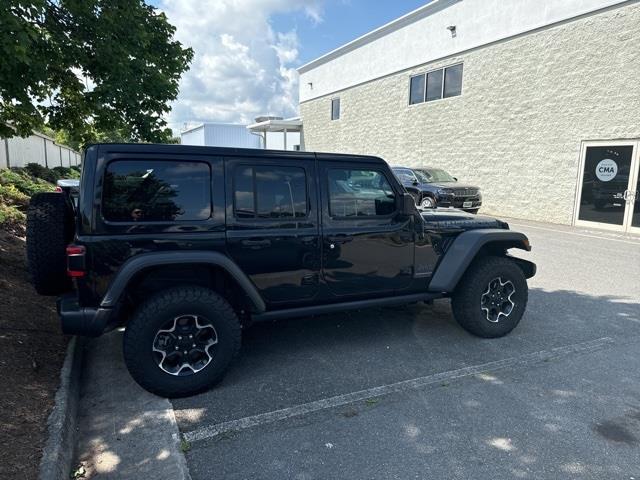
(88, 69)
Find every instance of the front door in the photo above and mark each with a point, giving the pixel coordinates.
(608, 188)
(368, 245)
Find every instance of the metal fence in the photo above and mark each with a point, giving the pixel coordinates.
(38, 148)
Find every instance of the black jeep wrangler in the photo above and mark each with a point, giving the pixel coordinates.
(186, 245)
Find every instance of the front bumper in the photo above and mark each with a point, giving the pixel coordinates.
(458, 202)
(86, 321)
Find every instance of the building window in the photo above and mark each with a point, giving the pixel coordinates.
(335, 108)
(156, 191)
(435, 85)
(452, 81)
(270, 192)
(416, 90)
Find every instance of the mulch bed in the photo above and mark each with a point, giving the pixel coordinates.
(32, 350)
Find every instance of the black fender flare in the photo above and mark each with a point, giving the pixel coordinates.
(153, 259)
(464, 249)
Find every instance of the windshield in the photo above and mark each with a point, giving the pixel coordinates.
(433, 175)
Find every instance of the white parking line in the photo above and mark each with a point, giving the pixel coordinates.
(603, 237)
(211, 431)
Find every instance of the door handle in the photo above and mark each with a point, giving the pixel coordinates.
(629, 194)
(256, 243)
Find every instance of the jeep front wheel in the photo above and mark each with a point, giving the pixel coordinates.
(181, 341)
(491, 298)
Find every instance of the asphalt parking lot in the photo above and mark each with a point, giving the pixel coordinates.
(406, 393)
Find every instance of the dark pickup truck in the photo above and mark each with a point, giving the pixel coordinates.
(184, 246)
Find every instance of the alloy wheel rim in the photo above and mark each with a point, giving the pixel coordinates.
(185, 345)
(496, 301)
(426, 203)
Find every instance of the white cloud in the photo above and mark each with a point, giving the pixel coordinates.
(242, 68)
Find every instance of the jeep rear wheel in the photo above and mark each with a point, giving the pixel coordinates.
(49, 231)
(491, 298)
(181, 341)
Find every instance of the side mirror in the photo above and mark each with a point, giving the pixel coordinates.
(455, 179)
(408, 205)
(415, 183)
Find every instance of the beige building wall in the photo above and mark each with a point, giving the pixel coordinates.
(527, 103)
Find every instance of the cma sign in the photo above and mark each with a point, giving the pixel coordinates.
(606, 170)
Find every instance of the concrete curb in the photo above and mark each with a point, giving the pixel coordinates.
(57, 455)
(180, 457)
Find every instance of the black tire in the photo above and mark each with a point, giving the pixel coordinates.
(49, 231)
(163, 308)
(467, 300)
(433, 201)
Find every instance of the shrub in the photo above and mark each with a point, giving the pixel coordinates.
(66, 172)
(24, 182)
(10, 195)
(38, 171)
(10, 215)
(17, 185)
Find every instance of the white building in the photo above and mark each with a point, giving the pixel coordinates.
(268, 132)
(220, 135)
(536, 101)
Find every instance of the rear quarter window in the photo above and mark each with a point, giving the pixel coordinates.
(156, 191)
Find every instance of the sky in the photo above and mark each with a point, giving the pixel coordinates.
(246, 51)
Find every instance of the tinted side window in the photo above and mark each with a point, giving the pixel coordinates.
(243, 193)
(155, 191)
(404, 175)
(359, 193)
(270, 192)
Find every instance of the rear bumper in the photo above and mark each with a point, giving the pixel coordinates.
(86, 321)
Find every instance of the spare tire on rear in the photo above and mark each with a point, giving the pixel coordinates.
(50, 229)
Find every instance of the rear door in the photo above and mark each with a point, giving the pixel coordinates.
(368, 245)
(272, 225)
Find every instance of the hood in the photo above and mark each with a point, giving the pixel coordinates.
(449, 185)
(454, 219)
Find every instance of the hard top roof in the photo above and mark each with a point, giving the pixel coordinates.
(222, 151)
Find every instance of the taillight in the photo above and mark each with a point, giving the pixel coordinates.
(75, 261)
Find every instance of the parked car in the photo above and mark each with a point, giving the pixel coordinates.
(185, 245)
(434, 187)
